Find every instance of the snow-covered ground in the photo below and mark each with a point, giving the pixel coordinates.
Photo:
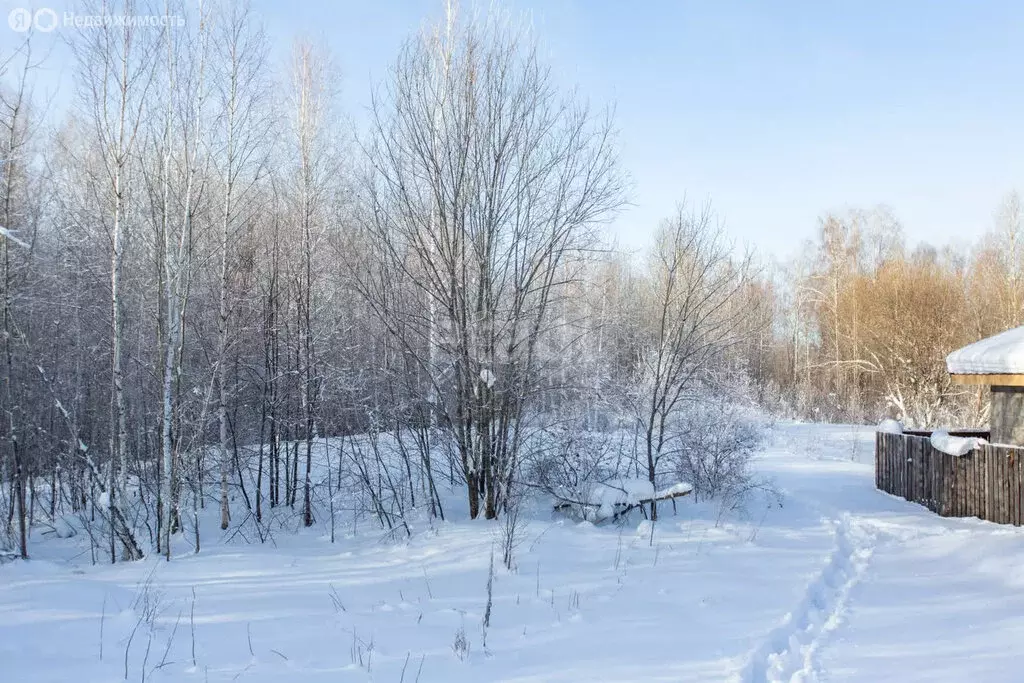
(840, 583)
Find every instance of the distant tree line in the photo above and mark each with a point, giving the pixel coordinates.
(861, 322)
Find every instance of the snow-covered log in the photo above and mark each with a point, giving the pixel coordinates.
(612, 500)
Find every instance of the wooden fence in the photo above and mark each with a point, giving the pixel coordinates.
(986, 483)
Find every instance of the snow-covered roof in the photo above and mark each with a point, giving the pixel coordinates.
(1002, 354)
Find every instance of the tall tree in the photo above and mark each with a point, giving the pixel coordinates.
(15, 162)
(116, 67)
(487, 182)
(691, 317)
(315, 164)
(242, 136)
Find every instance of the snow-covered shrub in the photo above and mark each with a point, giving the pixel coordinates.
(715, 441)
(593, 475)
(567, 461)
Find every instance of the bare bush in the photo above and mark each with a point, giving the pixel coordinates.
(714, 441)
(567, 459)
(460, 646)
(692, 312)
(510, 526)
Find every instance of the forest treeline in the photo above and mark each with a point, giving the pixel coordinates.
(207, 271)
(861, 321)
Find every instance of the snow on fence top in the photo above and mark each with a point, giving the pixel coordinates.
(955, 445)
(1002, 354)
(890, 427)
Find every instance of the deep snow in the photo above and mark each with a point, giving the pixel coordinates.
(840, 583)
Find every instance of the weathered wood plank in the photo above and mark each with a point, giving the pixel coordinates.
(1011, 470)
(945, 508)
(951, 483)
(1018, 487)
(989, 488)
(889, 483)
(894, 473)
(961, 485)
(951, 465)
(979, 481)
(921, 462)
(885, 462)
(1013, 484)
(1008, 487)
(947, 483)
(908, 482)
(890, 472)
(891, 467)
(983, 488)
(993, 459)
(964, 472)
(927, 461)
(1002, 463)
(998, 460)
(972, 488)
(970, 468)
(880, 461)
(984, 504)
(894, 476)
(954, 505)
(912, 470)
(984, 508)
(1004, 488)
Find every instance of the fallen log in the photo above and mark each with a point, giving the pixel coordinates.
(620, 509)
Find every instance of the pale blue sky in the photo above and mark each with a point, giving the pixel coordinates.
(777, 112)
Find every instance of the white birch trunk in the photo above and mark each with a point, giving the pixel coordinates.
(222, 319)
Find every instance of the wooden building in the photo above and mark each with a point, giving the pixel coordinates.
(967, 473)
(997, 362)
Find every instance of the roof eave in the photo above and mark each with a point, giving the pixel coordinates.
(992, 379)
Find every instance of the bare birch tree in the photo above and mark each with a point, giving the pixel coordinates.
(691, 319)
(15, 151)
(242, 130)
(486, 185)
(315, 164)
(116, 68)
(185, 163)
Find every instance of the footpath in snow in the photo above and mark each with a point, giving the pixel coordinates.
(840, 583)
